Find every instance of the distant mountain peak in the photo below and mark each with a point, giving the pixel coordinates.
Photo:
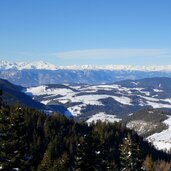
(27, 65)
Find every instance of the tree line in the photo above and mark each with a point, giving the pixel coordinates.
(32, 141)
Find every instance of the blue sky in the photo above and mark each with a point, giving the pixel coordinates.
(98, 32)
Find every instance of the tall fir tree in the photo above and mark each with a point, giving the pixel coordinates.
(130, 155)
(46, 163)
(62, 163)
(88, 155)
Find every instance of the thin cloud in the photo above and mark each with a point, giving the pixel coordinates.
(112, 53)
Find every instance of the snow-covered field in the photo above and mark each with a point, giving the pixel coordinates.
(43, 90)
(91, 96)
(103, 117)
(162, 140)
(76, 110)
(94, 99)
(68, 95)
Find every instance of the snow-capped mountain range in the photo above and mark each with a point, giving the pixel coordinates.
(40, 65)
(5, 65)
(40, 73)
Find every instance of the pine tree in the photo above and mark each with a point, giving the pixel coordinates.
(88, 155)
(130, 155)
(62, 163)
(46, 163)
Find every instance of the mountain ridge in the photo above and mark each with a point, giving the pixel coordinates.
(41, 65)
(41, 73)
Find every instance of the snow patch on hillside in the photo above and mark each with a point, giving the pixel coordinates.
(43, 90)
(158, 105)
(95, 99)
(140, 126)
(162, 140)
(157, 90)
(167, 100)
(76, 110)
(45, 102)
(103, 117)
(37, 91)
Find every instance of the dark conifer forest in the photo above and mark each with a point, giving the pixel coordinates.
(33, 141)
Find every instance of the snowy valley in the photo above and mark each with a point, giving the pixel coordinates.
(116, 102)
